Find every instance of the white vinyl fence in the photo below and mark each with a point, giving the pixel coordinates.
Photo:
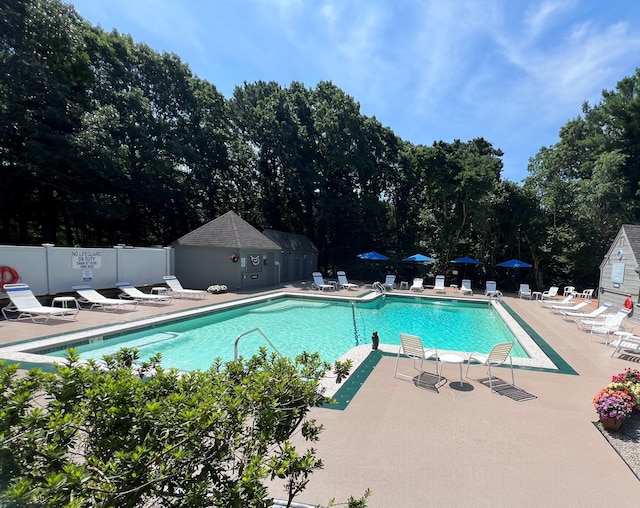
(49, 270)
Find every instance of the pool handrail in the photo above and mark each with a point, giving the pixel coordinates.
(379, 287)
(235, 345)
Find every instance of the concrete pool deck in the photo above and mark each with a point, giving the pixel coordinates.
(413, 447)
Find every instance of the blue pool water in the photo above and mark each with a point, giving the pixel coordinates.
(329, 327)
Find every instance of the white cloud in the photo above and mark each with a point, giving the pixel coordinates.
(538, 18)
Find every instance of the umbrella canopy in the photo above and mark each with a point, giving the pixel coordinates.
(373, 256)
(467, 261)
(418, 257)
(514, 263)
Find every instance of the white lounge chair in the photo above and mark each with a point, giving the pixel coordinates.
(344, 283)
(439, 286)
(178, 291)
(607, 328)
(549, 302)
(628, 342)
(389, 282)
(568, 315)
(611, 323)
(568, 290)
(498, 355)
(27, 306)
(491, 288)
(319, 283)
(524, 291)
(90, 296)
(556, 309)
(586, 324)
(129, 291)
(465, 287)
(412, 347)
(417, 285)
(552, 292)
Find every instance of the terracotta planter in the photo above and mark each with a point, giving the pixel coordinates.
(611, 424)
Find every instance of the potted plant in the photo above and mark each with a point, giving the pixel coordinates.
(613, 406)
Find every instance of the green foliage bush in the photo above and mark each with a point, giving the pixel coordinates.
(124, 435)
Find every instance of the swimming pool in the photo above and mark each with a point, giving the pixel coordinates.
(331, 327)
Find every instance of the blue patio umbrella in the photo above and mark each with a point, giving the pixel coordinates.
(373, 256)
(514, 263)
(419, 257)
(466, 260)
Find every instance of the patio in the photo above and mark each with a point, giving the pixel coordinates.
(412, 446)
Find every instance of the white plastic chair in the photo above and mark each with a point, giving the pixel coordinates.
(524, 291)
(319, 283)
(178, 291)
(465, 287)
(498, 355)
(132, 292)
(412, 347)
(551, 293)
(418, 284)
(389, 282)
(610, 324)
(25, 303)
(587, 294)
(491, 288)
(89, 296)
(343, 282)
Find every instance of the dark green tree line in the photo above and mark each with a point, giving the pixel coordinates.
(105, 141)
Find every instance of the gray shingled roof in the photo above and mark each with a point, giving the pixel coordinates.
(633, 235)
(290, 241)
(228, 231)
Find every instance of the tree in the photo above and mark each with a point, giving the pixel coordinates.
(587, 184)
(455, 182)
(42, 96)
(86, 435)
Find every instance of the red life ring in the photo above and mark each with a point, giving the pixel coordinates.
(8, 276)
(628, 303)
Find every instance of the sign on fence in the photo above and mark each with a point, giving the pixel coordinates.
(85, 259)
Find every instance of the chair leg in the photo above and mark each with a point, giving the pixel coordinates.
(466, 374)
(395, 372)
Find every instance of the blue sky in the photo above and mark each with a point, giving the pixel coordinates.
(513, 72)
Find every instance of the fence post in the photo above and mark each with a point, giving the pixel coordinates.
(47, 246)
(167, 264)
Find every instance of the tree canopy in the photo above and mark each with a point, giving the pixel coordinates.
(106, 141)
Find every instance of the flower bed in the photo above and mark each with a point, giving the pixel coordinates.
(217, 288)
(617, 400)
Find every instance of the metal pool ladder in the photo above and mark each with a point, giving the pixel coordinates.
(235, 345)
(379, 288)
